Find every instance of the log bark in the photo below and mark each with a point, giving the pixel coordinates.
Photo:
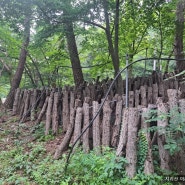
(117, 123)
(96, 127)
(78, 125)
(180, 163)
(26, 111)
(49, 113)
(106, 134)
(137, 98)
(16, 101)
(65, 142)
(149, 97)
(162, 123)
(65, 110)
(131, 98)
(124, 132)
(143, 95)
(148, 164)
(131, 146)
(43, 111)
(55, 116)
(22, 103)
(173, 98)
(155, 93)
(34, 104)
(86, 146)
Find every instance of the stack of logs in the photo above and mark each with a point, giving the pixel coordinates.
(115, 126)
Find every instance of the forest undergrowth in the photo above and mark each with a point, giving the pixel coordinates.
(26, 157)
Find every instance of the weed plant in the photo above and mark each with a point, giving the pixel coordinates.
(34, 166)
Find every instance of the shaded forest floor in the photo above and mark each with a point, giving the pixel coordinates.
(26, 158)
(22, 140)
(12, 132)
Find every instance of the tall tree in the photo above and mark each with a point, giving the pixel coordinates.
(19, 19)
(113, 46)
(72, 47)
(61, 15)
(179, 32)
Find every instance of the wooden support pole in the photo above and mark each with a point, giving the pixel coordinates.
(22, 103)
(96, 127)
(78, 124)
(65, 142)
(137, 98)
(155, 93)
(173, 98)
(49, 113)
(162, 123)
(65, 110)
(43, 111)
(26, 111)
(117, 123)
(131, 98)
(16, 102)
(55, 115)
(143, 90)
(106, 134)
(124, 132)
(149, 96)
(148, 164)
(34, 104)
(131, 146)
(86, 146)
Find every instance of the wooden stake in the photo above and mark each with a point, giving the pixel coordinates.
(49, 113)
(106, 124)
(55, 116)
(65, 142)
(16, 102)
(86, 146)
(78, 124)
(43, 111)
(26, 111)
(131, 146)
(117, 123)
(124, 132)
(162, 123)
(65, 110)
(34, 104)
(148, 164)
(96, 127)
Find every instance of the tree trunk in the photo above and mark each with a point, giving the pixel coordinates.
(180, 65)
(73, 52)
(20, 68)
(114, 52)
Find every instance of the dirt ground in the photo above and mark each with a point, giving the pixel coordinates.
(12, 131)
